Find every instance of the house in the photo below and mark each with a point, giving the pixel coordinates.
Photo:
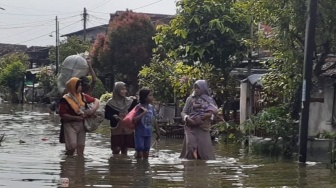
(11, 48)
(157, 19)
(322, 109)
(91, 33)
(250, 96)
(38, 56)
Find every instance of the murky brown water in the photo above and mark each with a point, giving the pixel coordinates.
(40, 162)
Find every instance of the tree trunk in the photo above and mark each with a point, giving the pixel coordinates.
(295, 104)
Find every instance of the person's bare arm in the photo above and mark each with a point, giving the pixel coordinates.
(157, 128)
(91, 71)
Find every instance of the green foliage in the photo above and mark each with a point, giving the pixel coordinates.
(98, 89)
(326, 135)
(105, 97)
(208, 37)
(70, 46)
(167, 78)
(130, 43)
(275, 123)
(46, 79)
(11, 76)
(206, 31)
(227, 131)
(286, 41)
(9, 58)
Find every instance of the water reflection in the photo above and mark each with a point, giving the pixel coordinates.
(196, 174)
(73, 168)
(40, 161)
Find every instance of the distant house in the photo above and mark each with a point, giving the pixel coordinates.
(157, 19)
(11, 48)
(38, 56)
(91, 33)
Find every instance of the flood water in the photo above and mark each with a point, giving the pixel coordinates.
(31, 157)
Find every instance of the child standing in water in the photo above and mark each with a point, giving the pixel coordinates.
(145, 119)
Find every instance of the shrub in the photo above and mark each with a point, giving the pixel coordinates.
(275, 123)
(105, 97)
(98, 89)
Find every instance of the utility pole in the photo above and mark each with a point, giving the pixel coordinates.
(249, 72)
(84, 20)
(250, 51)
(57, 47)
(307, 77)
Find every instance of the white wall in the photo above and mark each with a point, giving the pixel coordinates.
(243, 102)
(320, 113)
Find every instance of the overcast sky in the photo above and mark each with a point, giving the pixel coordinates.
(30, 22)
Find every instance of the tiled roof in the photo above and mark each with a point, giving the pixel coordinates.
(330, 67)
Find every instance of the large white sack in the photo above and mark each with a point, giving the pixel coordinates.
(73, 66)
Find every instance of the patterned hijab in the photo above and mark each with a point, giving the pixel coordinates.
(74, 98)
(118, 102)
(205, 91)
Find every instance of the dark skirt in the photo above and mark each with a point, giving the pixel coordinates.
(61, 135)
(122, 141)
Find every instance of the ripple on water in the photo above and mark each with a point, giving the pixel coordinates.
(40, 161)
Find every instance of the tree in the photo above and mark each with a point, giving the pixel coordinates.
(46, 79)
(130, 43)
(204, 31)
(11, 76)
(171, 79)
(70, 46)
(9, 58)
(206, 35)
(101, 54)
(286, 42)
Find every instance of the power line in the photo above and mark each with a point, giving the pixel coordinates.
(99, 12)
(96, 22)
(14, 14)
(47, 33)
(95, 17)
(103, 3)
(41, 21)
(147, 5)
(26, 31)
(20, 27)
(37, 9)
(38, 24)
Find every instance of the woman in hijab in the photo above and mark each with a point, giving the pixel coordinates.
(116, 109)
(197, 141)
(73, 110)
